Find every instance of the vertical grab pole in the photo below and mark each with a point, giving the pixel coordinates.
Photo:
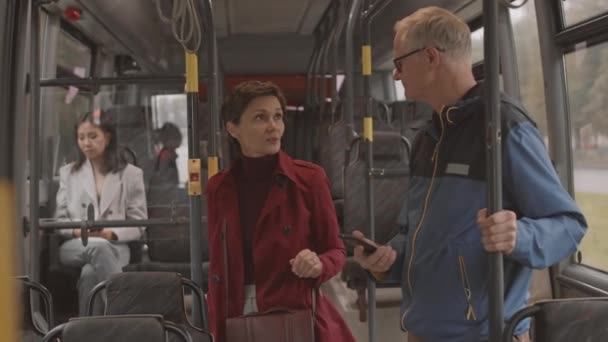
(213, 99)
(8, 292)
(349, 80)
(493, 160)
(213, 87)
(9, 321)
(34, 158)
(194, 182)
(368, 137)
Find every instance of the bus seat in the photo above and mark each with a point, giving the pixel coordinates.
(182, 268)
(157, 293)
(33, 329)
(335, 138)
(408, 117)
(61, 280)
(331, 156)
(391, 151)
(564, 320)
(127, 328)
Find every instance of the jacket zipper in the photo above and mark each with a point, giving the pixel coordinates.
(225, 245)
(435, 160)
(466, 285)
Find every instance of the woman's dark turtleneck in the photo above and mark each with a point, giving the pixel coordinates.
(255, 178)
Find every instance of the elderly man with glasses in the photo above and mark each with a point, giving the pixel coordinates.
(440, 257)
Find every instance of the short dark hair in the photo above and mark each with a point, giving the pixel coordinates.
(241, 95)
(237, 101)
(114, 159)
(169, 132)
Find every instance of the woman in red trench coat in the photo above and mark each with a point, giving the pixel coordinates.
(273, 233)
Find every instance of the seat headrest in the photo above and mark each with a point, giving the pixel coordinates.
(155, 293)
(147, 328)
(389, 146)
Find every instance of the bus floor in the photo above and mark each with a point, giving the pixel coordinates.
(387, 310)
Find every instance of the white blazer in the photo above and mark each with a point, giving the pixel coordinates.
(123, 196)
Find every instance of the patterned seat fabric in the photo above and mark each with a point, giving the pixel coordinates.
(390, 152)
(155, 293)
(565, 320)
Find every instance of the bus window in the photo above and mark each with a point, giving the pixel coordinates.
(73, 56)
(172, 108)
(400, 91)
(67, 107)
(587, 74)
(525, 31)
(477, 45)
(576, 11)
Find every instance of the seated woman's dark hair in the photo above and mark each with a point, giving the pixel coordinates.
(114, 158)
(169, 133)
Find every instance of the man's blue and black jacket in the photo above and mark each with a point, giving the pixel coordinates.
(442, 265)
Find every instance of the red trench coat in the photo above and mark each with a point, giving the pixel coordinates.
(298, 214)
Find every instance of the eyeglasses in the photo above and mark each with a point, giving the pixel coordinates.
(397, 61)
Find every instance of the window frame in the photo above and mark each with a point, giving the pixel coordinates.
(73, 32)
(593, 31)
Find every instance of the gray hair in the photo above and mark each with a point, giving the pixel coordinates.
(436, 27)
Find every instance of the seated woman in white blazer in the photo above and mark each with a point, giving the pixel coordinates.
(101, 177)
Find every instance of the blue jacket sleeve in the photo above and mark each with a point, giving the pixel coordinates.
(550, 226)
(395, 273)
(398, 243)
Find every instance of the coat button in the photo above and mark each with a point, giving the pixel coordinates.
(109, 212)
(287, 230)
(84, 205)
(216, 279)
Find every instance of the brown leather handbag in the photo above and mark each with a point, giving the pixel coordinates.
(274, 325)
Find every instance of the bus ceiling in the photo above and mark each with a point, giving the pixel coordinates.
(252, 38)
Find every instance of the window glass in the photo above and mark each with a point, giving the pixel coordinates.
(477, 45)
(138, 135)
(172, 109)
(527, 48)
(73, 57)
(576, 11)
(400, 91)
(587, 75)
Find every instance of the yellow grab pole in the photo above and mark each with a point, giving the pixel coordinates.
(8, 293)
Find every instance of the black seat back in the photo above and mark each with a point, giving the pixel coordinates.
(146, 293)
(408, 117)
(565, 320)
(27, 289)
(149, 328)
(335, 137)
(156, 293)
(391, 151)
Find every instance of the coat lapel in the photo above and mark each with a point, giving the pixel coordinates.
(110, 190)
(87, 180)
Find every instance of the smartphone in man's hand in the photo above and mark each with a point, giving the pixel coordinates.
(369, 246)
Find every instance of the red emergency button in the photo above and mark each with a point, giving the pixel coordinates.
(72, 14)
(194, 177)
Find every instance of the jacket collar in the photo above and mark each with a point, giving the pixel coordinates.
(283, 172)
(455, 113)
(110, 189)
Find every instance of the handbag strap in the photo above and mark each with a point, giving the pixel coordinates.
(314, 291)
